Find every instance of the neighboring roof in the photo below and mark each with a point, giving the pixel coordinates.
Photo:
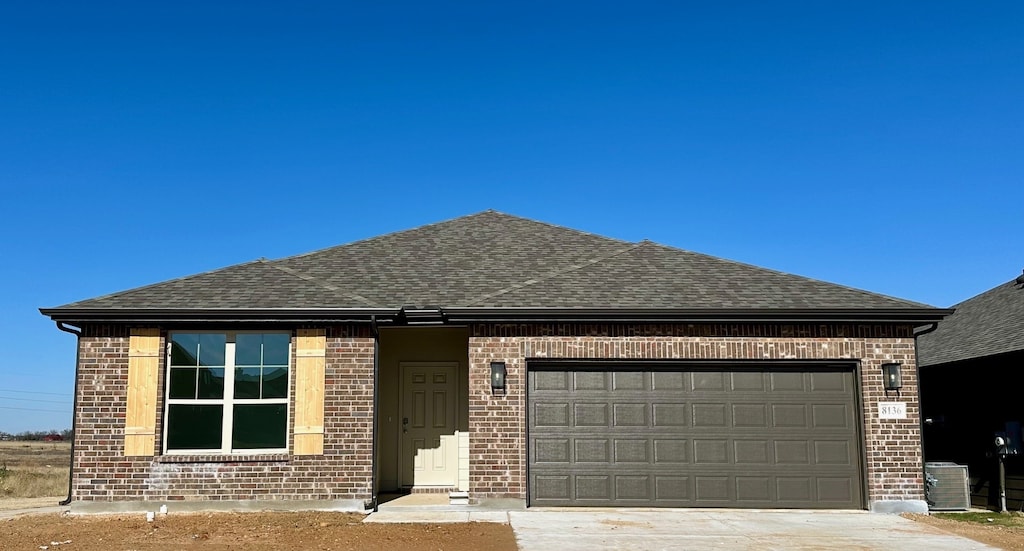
(988, 324)
(491, 261)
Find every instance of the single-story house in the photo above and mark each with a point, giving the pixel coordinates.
(521, 362)
(971, 385)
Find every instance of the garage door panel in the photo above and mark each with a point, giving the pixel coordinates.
(708, 438)
(629, 380)
(750, 415)
(670, 415)
(671, 451)
(669, 380)
(551, 450)
(751, 452)
(632, 451)
(830, 415)
(833, 452)
(630, 415)
(590, 415)
(591, 380)
(551, 415)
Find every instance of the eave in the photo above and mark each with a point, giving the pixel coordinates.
(463, 315)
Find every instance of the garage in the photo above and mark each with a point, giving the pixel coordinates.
(694, 435)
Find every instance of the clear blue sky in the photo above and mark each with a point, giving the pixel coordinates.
(876, 144)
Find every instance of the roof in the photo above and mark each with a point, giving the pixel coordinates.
(489, 262)
(988, 324)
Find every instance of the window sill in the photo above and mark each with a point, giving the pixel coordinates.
(224, 458)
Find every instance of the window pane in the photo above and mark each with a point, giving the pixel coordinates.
(259, 426)
(275, 382)
(183, 382)
(275, 348)
(211, 349)
(184, 349)
(211, 382)
(194, 427)
(248, 347)
(247, 382)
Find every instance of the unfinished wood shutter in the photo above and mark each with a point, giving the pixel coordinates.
(310, 365)
(143, 368)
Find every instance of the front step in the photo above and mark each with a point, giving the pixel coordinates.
(456, 501)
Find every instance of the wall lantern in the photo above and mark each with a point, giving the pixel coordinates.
(892, 378)
(498, 373)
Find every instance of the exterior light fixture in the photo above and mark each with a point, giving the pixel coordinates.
(498, 373)
(892, 379)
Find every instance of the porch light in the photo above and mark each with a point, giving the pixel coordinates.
(893, 380)
(498, 377)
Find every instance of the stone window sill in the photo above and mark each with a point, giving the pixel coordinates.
(225, 458)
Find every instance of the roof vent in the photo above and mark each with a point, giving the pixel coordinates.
(1020, 279)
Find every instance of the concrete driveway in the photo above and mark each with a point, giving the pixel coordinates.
(570, 529)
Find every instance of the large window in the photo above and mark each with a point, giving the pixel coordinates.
(227, 392)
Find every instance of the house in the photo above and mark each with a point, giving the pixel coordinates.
(971, 387)
(521, 362)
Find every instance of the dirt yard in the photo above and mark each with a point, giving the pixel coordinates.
(250, 531)
(1003, 531)
(33, 470)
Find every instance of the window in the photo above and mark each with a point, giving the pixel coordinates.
(227, 392)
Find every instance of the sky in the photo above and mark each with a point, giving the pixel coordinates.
(873, 144)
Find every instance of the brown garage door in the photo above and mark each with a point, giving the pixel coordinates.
(685, 436)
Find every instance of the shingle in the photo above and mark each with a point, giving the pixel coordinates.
(988, 324)
(492, 259)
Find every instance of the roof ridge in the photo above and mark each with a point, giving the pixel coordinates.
(312, 279)
(805, 278)
(383, 235)
(555, 273)
(432, 224)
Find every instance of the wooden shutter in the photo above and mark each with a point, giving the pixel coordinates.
(310, 365)
(143, 367)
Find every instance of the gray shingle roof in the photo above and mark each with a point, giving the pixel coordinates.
(491, 259)
(990, 323)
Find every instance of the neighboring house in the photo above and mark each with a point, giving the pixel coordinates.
(634, 374)
(972, 385)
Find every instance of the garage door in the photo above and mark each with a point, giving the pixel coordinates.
(738, 436)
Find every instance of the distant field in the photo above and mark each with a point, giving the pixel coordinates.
(34, 469)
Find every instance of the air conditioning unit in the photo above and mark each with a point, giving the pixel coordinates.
(947, 486)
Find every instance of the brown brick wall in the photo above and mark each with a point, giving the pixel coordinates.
(497, 423)
(102, 473)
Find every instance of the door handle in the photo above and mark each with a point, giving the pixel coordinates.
(405, 424)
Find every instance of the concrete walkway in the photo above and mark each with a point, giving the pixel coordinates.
(572, 529)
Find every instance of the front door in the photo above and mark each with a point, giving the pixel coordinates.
(429, 444)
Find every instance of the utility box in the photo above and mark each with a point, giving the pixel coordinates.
(947, 486)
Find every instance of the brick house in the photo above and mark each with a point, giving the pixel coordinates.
(518, 361)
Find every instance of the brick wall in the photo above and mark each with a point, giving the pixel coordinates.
(498, 423)
(102, 473)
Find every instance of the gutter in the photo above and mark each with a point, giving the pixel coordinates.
(457, 315)
(920, 409)
(74, 407)
(376, 413)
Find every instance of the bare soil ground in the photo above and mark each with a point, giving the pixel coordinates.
(33, 470)
(1005, 531)
(249, 531)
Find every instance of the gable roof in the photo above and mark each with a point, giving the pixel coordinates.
(488, 262)
(988, 324)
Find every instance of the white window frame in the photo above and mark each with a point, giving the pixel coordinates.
(228, 401)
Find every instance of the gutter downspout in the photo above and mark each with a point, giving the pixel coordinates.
(74, 406)
(920, 410)
(376, 414)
